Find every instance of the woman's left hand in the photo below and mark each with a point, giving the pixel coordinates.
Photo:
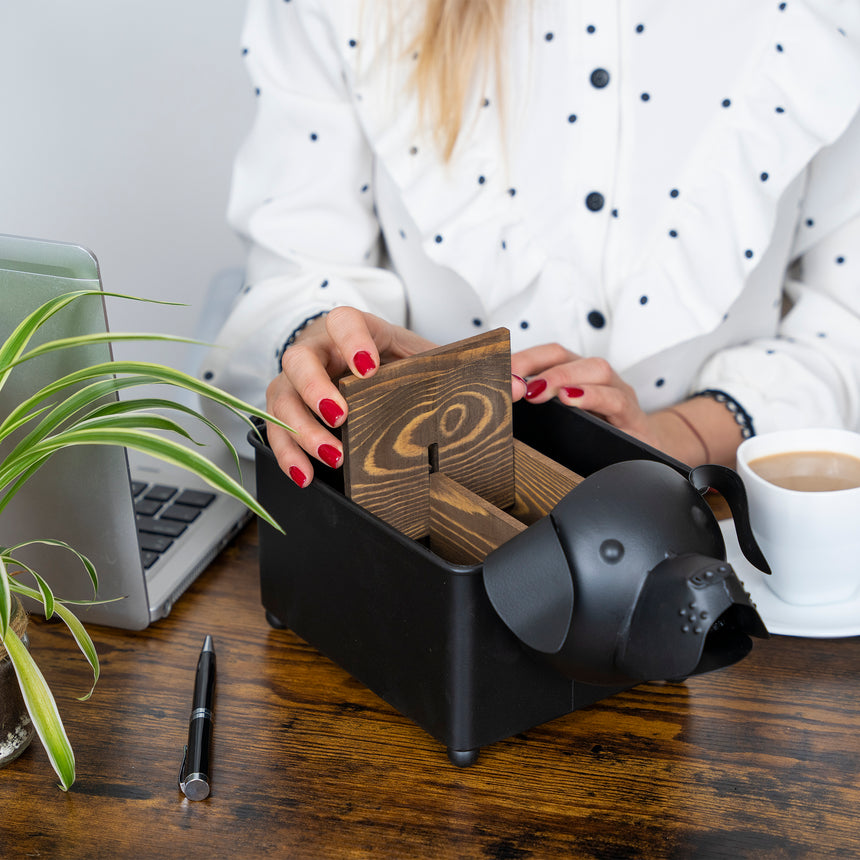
(699, 430)
(589, 383)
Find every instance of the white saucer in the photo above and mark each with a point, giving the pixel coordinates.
(829, 621)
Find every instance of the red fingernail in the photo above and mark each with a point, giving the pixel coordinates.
(363, 363)
(573, 392)
(535, 387)
(330, 411)
(520, 379)
(298, 476)
(329, 455)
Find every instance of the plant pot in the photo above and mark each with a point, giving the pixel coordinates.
(16, 727)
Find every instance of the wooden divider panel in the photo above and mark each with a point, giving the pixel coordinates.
(447, 410)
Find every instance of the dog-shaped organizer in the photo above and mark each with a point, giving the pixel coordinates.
(482, 587)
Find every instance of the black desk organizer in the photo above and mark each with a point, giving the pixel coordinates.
(421, 632)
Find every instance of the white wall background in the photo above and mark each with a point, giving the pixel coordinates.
(119, 120)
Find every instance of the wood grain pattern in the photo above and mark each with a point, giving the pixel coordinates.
(540, 483)
(456, 398)
(759, 760)
(464, 528)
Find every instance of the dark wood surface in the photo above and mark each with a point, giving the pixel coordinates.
(758, 760)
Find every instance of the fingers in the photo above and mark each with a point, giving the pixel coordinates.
(536, 359)
(364, 341)
(570, 378)
(588, 383)
(607, 401)
(395, 341)
(519, 386)
(291, 450)
(304, 395)
(352, 339)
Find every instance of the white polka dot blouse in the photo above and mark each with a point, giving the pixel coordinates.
(673, 185)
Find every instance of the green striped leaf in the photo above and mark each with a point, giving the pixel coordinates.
(78, 631)
(42, 708)
(156, 374)
(96, 338)
(5, 599)
(79, 401)
(148, 443)
(88, 566)
(14, 345)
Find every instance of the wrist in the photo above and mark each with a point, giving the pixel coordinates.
(677, 436)
(699, 430)
(704, 452)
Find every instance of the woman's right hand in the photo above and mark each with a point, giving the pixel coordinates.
(304, 395)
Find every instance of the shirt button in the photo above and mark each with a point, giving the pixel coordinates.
(594, 201)
(596, 319)
(599, 78)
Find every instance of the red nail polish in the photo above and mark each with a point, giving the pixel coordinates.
(514, 375)
(298, 476)
(363, 362)
(330, 411)
(535, 387)
(572, 391)
(329, 455)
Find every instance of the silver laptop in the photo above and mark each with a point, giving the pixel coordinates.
(149, 528)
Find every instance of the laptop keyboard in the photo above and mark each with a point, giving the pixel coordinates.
(163, 515)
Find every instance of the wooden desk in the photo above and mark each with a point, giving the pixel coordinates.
(758, 760)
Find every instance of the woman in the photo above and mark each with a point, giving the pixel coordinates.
(660, 201)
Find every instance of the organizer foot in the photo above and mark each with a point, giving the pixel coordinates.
(462, 758)
(275, 622)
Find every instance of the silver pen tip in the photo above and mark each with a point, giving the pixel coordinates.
(207, 644)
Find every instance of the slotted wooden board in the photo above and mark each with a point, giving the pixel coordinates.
(446, 410)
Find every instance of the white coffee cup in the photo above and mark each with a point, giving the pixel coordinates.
(811, 540)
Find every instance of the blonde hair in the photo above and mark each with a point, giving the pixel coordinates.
(460, 42)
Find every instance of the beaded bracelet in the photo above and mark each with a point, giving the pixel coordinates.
(742, 418)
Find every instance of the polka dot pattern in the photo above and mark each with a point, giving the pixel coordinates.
(610, 239)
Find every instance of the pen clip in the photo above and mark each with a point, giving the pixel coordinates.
(182, 769)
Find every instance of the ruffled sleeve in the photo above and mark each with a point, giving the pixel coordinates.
(302, 197)
(796, 97)
(809, 374)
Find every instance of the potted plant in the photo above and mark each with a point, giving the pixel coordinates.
(81, 408)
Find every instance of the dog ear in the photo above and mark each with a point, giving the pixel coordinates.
(529, 583)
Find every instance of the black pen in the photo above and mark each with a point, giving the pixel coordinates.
(194, 772)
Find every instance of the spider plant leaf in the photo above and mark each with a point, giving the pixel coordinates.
(5, 598)
(77, 401)
(119, 406)
(17, 341)
(77, 629)
(47, 595)
(85, 643)
(155, 373)
(115, 413)
(132, 421)
(95, 338)
(42, 708)
(8, 492)
(51, 418)
(15, 344)
(25, 591)
(148, 443)
(20, 422)
(88, 566)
